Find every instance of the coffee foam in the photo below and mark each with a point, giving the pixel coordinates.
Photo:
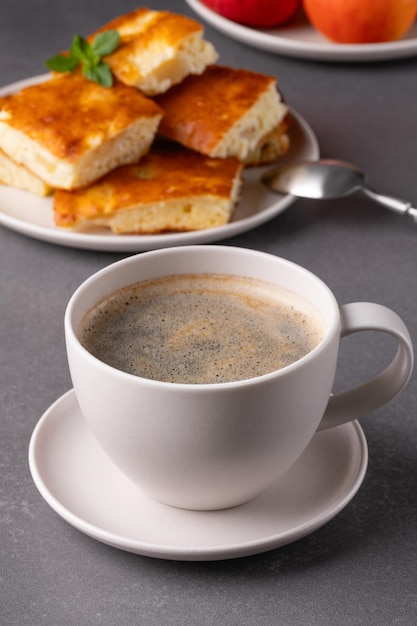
(204, 328)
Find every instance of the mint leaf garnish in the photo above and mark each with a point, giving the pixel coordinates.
(100, 74)
(80, 48)
(61, 63)
(89, 56)
(106, 42)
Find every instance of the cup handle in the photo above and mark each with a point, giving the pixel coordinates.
(361, 400)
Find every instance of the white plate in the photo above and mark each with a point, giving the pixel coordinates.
(299, 39)
(32, 216)
(83, 486)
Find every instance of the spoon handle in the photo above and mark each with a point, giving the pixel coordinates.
(395, 204)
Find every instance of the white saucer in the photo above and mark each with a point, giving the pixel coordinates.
(84, 487)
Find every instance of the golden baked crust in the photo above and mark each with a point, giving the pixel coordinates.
(170, 189)
(157, 49)
(70, 131)
(224, 112)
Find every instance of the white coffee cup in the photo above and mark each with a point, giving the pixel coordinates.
(210, 446)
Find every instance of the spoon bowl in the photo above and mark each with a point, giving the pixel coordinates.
(326, 179)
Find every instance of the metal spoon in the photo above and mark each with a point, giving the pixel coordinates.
(328, 178)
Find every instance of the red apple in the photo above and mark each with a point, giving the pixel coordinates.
(257, 13)
(361, 21)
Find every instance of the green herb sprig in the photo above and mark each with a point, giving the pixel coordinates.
(89, 56)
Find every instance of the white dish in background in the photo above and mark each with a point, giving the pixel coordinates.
(299, 39)
(32, 216)
(82, 485)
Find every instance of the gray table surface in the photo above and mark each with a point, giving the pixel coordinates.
(360, 568)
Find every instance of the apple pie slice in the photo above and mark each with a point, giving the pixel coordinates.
(70, 131)
(15, 175)
(170, 189)
(226, 112)
(157, 49)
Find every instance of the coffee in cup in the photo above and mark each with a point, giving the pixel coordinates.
(200, 328)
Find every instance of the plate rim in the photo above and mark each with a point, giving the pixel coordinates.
(323, 51)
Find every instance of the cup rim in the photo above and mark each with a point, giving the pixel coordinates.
(71, 334)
